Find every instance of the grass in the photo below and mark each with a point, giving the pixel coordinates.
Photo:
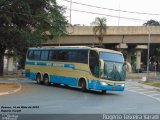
(11, 76)
(8, 76)
(153, 83)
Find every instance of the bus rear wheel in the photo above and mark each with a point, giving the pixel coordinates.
(38, 79)
(103, 91)
(46, 80)
(83, 86)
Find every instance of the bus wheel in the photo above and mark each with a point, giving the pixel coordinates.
(83, 86)
(38, 79)
(103, 91)
(46, 81)
(56, 84)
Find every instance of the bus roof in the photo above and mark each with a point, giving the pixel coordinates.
(106, 50)
(73, 48)
(59, 47)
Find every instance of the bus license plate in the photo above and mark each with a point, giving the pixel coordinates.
(113, 88)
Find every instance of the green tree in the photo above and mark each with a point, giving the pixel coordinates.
(154, 50)
(158, 54)
(151, 23)
(26, 23)
(100, 28)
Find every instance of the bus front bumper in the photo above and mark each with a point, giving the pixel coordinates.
(110, 88)
(107, 86)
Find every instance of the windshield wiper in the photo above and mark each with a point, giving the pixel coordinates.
(108, 78)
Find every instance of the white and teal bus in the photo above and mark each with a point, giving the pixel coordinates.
(78, 66)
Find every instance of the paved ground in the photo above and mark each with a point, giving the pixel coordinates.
(9, 87)
(149, 91)
(4, 87)
(40, 99)
(41, 102)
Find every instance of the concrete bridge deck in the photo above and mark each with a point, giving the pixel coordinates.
(82, 35)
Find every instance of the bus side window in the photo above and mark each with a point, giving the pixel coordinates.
(44, 55)
(72, 55)
(31, 54)
(79, 56)
(62, 55)
(94, 63)
(37, 55)
(52, 55)
(83, 56)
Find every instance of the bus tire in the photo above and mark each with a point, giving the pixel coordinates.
(38, 79)
(83, 85)
(56, 84)
(103, 91)
(46, 80)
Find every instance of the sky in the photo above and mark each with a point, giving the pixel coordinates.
(112, 10)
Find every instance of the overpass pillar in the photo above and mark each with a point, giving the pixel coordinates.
(138, 60)
(129, 56)
(139, 49)
(129, 61)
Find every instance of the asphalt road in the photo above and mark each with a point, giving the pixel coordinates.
(40, 99)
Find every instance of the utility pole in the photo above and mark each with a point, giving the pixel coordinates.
(70, 12)
(119, 13)
(148, 60)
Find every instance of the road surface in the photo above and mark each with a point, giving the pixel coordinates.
(40, 99)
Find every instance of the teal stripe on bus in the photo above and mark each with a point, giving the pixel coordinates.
(49, 64)
(36, 63)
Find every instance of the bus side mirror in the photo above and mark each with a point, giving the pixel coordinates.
(101, 67)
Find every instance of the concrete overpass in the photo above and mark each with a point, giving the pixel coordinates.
(117, 37)
(79, 35)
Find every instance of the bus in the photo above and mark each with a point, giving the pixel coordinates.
(83, 67)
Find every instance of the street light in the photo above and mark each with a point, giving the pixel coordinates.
(70, 12)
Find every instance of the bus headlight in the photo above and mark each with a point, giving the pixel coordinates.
(122, 85)
(103, 83)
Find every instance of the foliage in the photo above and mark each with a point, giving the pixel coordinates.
(158, 54)
(26, 23)
(100, 28)
(154, 49)
(152, 83)
(155, 53)
(152, 23)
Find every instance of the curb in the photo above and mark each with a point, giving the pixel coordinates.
(150, 87)
(12, 91)
(144, 85)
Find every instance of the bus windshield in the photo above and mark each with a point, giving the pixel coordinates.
(114, 57)
(114, 68)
